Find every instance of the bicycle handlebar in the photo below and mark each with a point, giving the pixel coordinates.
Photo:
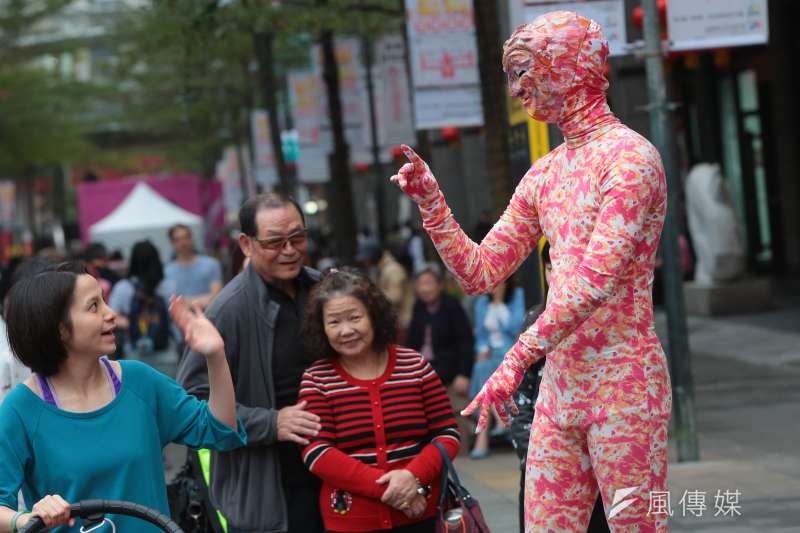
(97, 508)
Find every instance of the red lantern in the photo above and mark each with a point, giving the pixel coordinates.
(450, 134)
(397, 152)
(637, 15)
(362, 167)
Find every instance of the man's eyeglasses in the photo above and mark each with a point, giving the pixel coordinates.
(298, 238)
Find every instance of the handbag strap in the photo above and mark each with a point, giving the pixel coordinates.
(448, 470)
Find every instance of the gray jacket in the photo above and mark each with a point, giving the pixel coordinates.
(245, 483)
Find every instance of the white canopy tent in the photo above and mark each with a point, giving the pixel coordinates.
(144, 214)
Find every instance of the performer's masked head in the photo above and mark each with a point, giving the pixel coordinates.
(555, 65)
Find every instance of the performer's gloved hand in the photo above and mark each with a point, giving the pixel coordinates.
(416, 179)
(497, 390)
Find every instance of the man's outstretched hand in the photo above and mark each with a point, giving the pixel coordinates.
(415, 178)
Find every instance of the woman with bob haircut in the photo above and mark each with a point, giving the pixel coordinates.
(382, 407)
(85, 427)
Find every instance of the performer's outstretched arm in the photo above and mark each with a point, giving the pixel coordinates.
(633, 194)
(479, 268)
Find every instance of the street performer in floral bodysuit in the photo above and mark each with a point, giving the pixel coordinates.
(600, 199)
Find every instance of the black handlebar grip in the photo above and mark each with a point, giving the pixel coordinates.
(93, 508)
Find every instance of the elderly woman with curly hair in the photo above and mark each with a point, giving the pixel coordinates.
(381, 407)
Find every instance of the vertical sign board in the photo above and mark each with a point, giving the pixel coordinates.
(694, 25)
(264, 156)
(352, 93)
(444, 64)
(228, 173)
(7, 202)
(305, 89)
(392, 97)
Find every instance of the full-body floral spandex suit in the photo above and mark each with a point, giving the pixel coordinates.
(600, 199)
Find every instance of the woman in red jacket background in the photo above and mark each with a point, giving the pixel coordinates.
(381, 407)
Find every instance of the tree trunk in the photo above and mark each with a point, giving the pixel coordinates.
(493, 96)
(262, 44)
(339, 188)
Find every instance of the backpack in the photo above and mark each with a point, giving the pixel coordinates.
(149, 321)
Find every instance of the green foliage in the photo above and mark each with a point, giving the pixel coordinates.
(40, 119)
(186, 69)
(179, 77)
(43, 116)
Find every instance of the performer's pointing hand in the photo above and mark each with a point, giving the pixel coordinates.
(415, 178)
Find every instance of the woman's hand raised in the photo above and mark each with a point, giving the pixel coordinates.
(415, 179)
(198, 331)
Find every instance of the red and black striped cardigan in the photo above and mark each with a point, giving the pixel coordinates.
(370, 427)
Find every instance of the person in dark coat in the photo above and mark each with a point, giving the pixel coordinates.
(442, 333)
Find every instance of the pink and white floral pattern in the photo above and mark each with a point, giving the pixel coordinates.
(600, 199)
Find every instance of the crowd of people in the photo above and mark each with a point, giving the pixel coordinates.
(327, 399)
(343, 380)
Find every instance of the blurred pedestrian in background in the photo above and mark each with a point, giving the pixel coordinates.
(498, 317)
(441, 332)
(196, 277)
(415, 247)
(12, 370)
(141, 302)
(392, 280)
(381, 408)
(238, 262)
(95, 257)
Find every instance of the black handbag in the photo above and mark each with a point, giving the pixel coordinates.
(458, 511)
(189, 503)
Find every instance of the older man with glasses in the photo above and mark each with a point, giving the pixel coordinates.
(264, 487)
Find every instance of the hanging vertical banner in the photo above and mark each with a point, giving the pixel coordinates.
(305, 97)
(352, 93)
(610, 14)
(8, 194)
(392, 97)
(693, 25)
(444, 64)
(266, 172)
(228, 172)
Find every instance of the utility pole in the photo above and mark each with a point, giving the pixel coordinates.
(493, 98)
(661, 131)
(339, 187)
(369, 55)
(263, 46)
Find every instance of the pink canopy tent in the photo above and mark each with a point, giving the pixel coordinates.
(201, 197)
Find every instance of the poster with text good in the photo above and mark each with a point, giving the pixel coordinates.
(699, 24)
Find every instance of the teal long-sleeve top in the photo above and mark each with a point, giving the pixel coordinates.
(111, 453)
